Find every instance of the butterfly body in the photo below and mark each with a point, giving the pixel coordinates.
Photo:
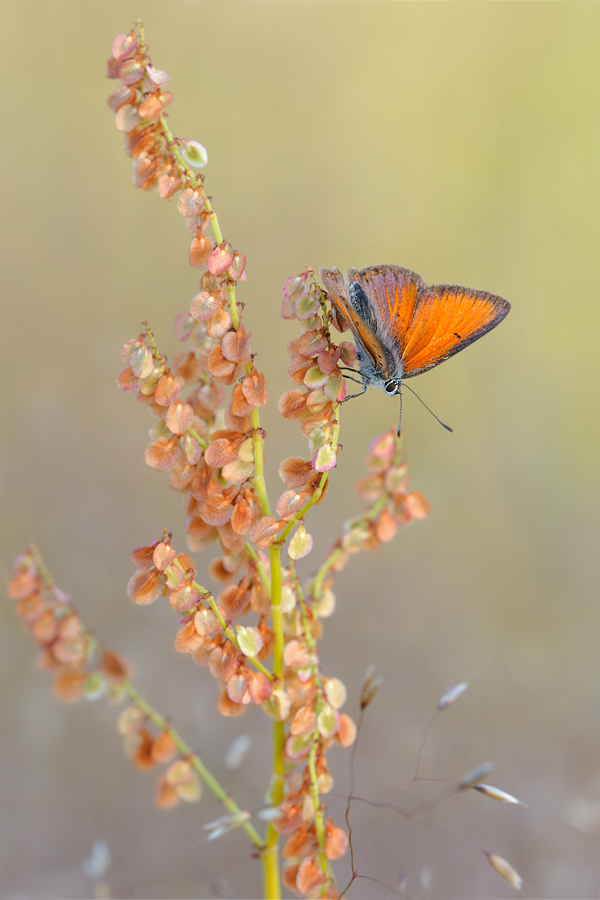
(403, 327)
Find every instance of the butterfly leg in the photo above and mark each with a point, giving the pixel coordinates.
(360, 393)
(346, 369)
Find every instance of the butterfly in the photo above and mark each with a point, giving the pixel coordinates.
(402, 327)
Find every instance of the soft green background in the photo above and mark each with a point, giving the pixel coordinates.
(460, 139)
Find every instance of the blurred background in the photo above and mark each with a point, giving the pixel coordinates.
(459, 139)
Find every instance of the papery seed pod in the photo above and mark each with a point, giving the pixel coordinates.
(163, 748)
(302, 843)
(229, 708)
(336, 693)
(144, 170)
(121, 96)
(163, 454)
(190, 791)
(385, 527)
(310, 877)
(163, 555)
(297, 287)
(153, 105)
(201, 249)
(167, 186)
(301, 544)
(260, 687)
(346, 733)
(328, 721)
(253, 388)
(131, 71)
(191, 202)
(290, 503)
(292, 404)
(220, 259)
(324, 459)
(145, 586)
(266, 531)
(224, 370)
(130, 721)
(250, 640)
(295, 472)
(223, 661)
(237, 688)
(194, 153)
(277, 706)
(157, 77)
(236, 345)
(124, 46)
(298, 746)
(183, 598)
(217, 509)
(45, 628)
(68, 685)
(187, 639)
(168, 390)
(114, 666)
(336, 841)
(142, 758)
(237, 269)
(166, 795)
(416, 505)
(296, 655)
(206, 622)
(304, 722)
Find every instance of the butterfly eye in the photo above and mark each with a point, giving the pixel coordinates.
(392, 387)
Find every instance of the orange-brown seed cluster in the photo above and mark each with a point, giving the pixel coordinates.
(161, 571)
(148, 747)
(386, 489)
(315, 367)
(81, 668)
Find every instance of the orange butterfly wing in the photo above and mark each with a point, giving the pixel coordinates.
(336, 286)
(419, 326)
(393, 292)
(446, 319)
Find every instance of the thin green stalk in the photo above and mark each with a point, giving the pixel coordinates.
(152, 714)
(314, 790)
(316, 736)
(259, 463)
(264, 576)
(194, 760)
(227, 629)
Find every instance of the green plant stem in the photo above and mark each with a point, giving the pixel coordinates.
(315, 737)
(264, 577)
(227, 629)
(194, 760)
(278, 777)
(337, 553)
(314, 790)
(154, 716)
(259, 463)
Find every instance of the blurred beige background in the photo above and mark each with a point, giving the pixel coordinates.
(460, 139)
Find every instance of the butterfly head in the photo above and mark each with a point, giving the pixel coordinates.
(393, 386)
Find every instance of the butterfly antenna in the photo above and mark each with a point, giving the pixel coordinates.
(447, 427)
